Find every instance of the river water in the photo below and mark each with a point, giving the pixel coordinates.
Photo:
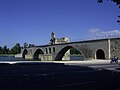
(10, 58)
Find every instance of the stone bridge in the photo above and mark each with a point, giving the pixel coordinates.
(89, 49)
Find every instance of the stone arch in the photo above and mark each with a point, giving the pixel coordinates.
(100, 54)
(24, 53)
(63, 51)
(37, 53)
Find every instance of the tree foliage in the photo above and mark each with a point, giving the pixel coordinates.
(0, 50)
(4, 50)
(16, 49)
(117, 3)
(28, 45)
(25, 44)
(74, 51)
(31, 45)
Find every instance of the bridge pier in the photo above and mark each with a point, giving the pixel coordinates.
(44, 57)
(29, 56)
(18, 55)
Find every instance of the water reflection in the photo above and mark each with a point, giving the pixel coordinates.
(9, 58)
(13, 58)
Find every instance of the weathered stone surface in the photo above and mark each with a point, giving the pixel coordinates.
(107, 48)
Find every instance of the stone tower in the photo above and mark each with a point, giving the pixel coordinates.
(52, 40)
(52, 35)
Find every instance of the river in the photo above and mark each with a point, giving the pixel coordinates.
(10, 58)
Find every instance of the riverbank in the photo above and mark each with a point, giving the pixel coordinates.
(96, 61)
(7, 55)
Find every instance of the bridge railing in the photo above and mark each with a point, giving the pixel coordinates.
(96, 38)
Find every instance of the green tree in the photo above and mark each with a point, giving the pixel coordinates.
(0, 50)
(25, 44)
(74, 51)
(115, 1)
(31, 45)
(16, 49)
(5, 50)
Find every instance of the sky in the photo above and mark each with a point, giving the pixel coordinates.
(32, 21)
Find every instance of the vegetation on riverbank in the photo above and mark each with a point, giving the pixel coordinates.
(16, 49)
(7, 55)
(6, 51)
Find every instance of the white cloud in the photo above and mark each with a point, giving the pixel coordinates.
(97, 33)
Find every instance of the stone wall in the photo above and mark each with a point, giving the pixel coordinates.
(115, 48)
(110, 47)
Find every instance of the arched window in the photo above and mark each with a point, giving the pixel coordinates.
(53, 49)
(46, 51)
(50, 50)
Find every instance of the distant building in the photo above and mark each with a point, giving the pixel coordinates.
(55, 40)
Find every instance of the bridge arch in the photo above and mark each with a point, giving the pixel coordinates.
(100, 54)
(64, 50)
(24, 53)
(37, 53)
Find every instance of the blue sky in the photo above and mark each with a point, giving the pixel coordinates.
(32, 21)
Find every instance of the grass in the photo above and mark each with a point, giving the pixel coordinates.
(7, 54)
